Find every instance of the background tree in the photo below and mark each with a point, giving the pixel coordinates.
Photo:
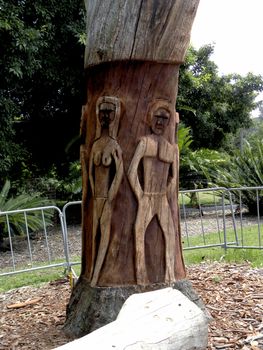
(221, 104)
(41, 69)
(255, 132)
(41, 86)
(260, 111)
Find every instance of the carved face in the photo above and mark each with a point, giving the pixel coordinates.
(107, 113)
(160, 120)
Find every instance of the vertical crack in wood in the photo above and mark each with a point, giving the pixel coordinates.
(137, 102)
(136, 29)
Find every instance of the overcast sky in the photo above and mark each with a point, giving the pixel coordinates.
(235, 26)
(236, 29)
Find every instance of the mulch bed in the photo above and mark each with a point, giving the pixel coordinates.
(32, 318)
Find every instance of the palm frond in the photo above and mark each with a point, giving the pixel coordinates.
(4, 193)
(18, 221)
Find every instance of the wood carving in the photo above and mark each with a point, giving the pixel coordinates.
(105, 175)
(160, 170)
(131, 239)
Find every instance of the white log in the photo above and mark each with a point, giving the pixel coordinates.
(163, 319)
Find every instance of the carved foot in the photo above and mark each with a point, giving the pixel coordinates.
(169, 274)
(142, 278)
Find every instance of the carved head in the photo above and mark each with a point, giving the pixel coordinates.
(108, 110)
(162, 119)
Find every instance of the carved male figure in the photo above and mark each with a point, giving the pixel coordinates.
(159, 159)
(105, 175)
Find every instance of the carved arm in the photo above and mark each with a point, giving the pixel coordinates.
(171, 188)
(117, 156)
(133, 169)
(91, 172)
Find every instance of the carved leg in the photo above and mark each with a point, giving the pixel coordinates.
(95, 225)
(167, 225)
(97, 212)
(144, 216)
(105, 226)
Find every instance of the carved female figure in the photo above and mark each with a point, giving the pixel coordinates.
(159, 158)
(105, 175)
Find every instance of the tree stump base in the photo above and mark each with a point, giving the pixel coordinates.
(93, 307)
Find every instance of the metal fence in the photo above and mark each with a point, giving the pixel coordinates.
(248, 221)
(222, 217)
(205, 216)
(214, 217)
(72, 235)
(25, 250)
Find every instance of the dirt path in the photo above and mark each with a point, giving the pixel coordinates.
(232, 293)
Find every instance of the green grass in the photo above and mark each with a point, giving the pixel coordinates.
(34, 278)
(30, 278)
(255, 257)
(237, 255)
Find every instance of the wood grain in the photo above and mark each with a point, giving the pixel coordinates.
(152, 30)
(138, 86)
(105, 176)
(159, 178)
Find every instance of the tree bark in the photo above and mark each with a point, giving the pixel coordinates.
(129, 153)
(152, 30)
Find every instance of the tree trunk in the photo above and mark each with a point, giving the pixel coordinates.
(129, 153)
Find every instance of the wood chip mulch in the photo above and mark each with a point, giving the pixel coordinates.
(32, 318)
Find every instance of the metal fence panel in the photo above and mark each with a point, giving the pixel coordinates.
(248, 222)
(71, 235)
(205, 217)
(224, 222)
(28, 250)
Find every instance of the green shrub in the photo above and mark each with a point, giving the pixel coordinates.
(59, 187)
(246, 171)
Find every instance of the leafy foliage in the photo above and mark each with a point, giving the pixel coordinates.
(73, 183)
(197, 167)
(204, 168)
(41, 76)
(246, 171)
(222, 104)
(184, 139)
(254, 133)
(41, 68)
(53, 186)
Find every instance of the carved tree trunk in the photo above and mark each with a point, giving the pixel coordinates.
(131, 231)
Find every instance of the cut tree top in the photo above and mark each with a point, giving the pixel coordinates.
(138, 30)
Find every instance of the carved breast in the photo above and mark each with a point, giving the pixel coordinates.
(103, 158)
